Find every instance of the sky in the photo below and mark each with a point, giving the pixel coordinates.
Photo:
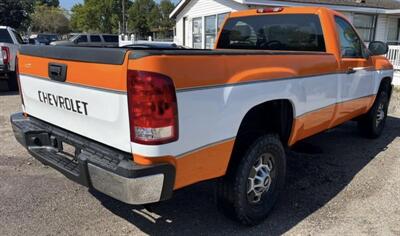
(67, 4)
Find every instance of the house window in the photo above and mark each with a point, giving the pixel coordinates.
(393, 31)
(365, 25)
(210, 31)
(212, 26)
(197, 32)
(220, 20)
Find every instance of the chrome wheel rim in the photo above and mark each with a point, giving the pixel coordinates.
(380, 114)
(259, 180)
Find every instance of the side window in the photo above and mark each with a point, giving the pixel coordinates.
(18, 37)
(110, 38)
(5, 36)
(95, 38)
(82, 39)
(350, 44)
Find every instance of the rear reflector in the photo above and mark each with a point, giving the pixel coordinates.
(270, 10)
(153, 110)
(5, 54)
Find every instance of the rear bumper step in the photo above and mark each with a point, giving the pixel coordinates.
(94, 165)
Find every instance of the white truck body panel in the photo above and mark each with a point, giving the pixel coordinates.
(106, 119)
(307, 94)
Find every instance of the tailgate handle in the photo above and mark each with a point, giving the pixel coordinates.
(57, 71)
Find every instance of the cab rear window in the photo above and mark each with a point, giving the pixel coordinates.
(289, 32)
(5, 36)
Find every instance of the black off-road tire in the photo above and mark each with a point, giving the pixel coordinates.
(12, 81)
(232, 193)
(369, 124)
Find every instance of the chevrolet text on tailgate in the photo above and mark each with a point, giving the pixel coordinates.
(146, 122)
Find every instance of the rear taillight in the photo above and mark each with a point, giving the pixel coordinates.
(5, 52)
(153, 109)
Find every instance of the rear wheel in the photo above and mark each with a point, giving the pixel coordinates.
(250, 192)
(12, 81)
(372, 123)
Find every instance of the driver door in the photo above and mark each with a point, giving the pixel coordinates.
(356, 77)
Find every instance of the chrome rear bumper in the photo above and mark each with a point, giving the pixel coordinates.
(94, 165)
(129, 190)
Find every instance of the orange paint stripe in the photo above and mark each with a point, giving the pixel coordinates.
(88, 74)
(328, 117)
(203, 164)
(311, 123)
(351, 109)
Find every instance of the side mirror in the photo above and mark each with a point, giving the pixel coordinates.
(378, 48)
(75, 41)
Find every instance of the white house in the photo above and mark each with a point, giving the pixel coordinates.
(197, 21)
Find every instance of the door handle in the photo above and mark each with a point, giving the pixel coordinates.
(350, 71)
(57, 71)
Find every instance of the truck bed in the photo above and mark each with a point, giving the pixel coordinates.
(97, 76)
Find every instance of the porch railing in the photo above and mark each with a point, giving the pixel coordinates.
(394, 56)
(131, 39)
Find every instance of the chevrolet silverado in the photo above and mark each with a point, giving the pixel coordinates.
(137, 124)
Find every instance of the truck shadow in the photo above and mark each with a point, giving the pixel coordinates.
(8, 93)
(326, 165)
(4, 91)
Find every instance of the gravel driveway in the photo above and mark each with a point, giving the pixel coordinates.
(339, 183)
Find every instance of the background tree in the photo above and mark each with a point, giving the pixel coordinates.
(50, 3)
(77, 22)
(146, 17)
(97, 16)
(166, 24)
(14, 13)
(142, 16)
(49, 19)
(105, 16)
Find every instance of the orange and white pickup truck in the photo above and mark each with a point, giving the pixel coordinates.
(137, 124)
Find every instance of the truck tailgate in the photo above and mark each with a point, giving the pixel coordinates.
(91, 102)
